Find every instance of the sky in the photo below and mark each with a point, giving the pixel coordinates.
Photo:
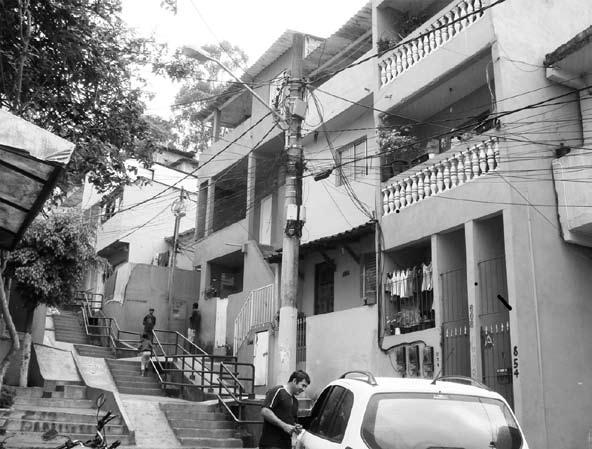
(253, 25)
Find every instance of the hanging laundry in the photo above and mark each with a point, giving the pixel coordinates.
(426, 282)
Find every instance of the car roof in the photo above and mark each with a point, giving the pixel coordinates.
(412, 385)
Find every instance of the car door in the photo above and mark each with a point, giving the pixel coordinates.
(329, 419)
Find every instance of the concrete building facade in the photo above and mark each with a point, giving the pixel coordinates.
(132, 229)
(462, 127)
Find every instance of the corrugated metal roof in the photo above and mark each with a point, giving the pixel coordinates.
(355, 33)
(324, 242)
(31, 159)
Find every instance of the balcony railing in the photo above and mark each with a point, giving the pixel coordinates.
(259, 309)
(441, 176)
(419, 45)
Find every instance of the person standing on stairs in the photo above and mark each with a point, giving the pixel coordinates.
(149, 323)
(194, 322)
(280, 412)
(145, 350)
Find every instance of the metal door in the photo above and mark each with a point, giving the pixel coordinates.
(455, 324)
(495, 328)
(260, 357)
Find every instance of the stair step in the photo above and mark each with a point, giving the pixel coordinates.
(191, 432)
(194, 406)
(135, 378)
(205, 416)
(141, 391)
(211, 442)
(68, 417)
(32, 440)
(202, 424)
(67, 428)
(55, 402)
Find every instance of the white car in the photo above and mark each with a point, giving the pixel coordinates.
(359, 411)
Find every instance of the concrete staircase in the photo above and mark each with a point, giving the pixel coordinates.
(94, 351)
(126, 374)
(65, 409)
(68, 328)
(201, 425)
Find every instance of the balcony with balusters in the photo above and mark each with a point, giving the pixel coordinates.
(434, 51)
(445, 191)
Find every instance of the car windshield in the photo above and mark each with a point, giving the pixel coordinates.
(438, 421)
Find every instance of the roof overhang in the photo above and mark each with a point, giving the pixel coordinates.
(31, 160)
(571, 63)
(329, 242)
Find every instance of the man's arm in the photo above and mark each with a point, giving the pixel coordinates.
(272, 418)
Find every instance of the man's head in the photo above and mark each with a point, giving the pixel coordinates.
(195, 305)
(298, 382)
(144, 336)
(151, 311)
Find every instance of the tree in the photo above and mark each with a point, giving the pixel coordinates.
(200, 82)
(71, 66)
(48, 266)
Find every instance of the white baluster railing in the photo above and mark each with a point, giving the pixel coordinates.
(259, 309)
(459, 168)
(419, 45)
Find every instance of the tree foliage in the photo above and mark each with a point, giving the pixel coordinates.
(200, 82)
(69, 66)
(51, 260)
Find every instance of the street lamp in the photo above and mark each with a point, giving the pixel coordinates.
(201, 55)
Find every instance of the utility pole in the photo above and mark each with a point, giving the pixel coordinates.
(294, 213)
(178, 208)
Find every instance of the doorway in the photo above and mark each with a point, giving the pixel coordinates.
(324, 288)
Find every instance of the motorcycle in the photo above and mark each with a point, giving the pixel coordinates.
(98, 442)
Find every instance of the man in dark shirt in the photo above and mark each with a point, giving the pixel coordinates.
(280, 411)
(149, 322)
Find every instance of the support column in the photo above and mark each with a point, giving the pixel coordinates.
(210, 207)
(473, 300)
(251, 177)
(436, 286)
(216, 125)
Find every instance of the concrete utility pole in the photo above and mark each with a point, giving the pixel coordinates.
(294, 214)
(178, 208)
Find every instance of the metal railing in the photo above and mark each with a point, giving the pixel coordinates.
(178, 362)
(259, 309)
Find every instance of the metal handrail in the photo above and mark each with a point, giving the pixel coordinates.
(181, 350)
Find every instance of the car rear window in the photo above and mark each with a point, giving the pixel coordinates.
(438, 421)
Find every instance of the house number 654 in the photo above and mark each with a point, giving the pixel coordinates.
(516, 372)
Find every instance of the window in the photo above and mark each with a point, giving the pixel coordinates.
(368, 278)
(329, 420)
(417, 420)
(353, 161)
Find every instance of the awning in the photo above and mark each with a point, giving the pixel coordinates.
(329, 242)
(31, 159)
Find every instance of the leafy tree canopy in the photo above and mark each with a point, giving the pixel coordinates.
(50, 262)
(199, 82)
(69, 66)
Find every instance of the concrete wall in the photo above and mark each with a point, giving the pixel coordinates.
(548, 280)
(329, 209)
(147, 287)
(342, 341)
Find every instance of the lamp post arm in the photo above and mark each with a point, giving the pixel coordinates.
(281, 119)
